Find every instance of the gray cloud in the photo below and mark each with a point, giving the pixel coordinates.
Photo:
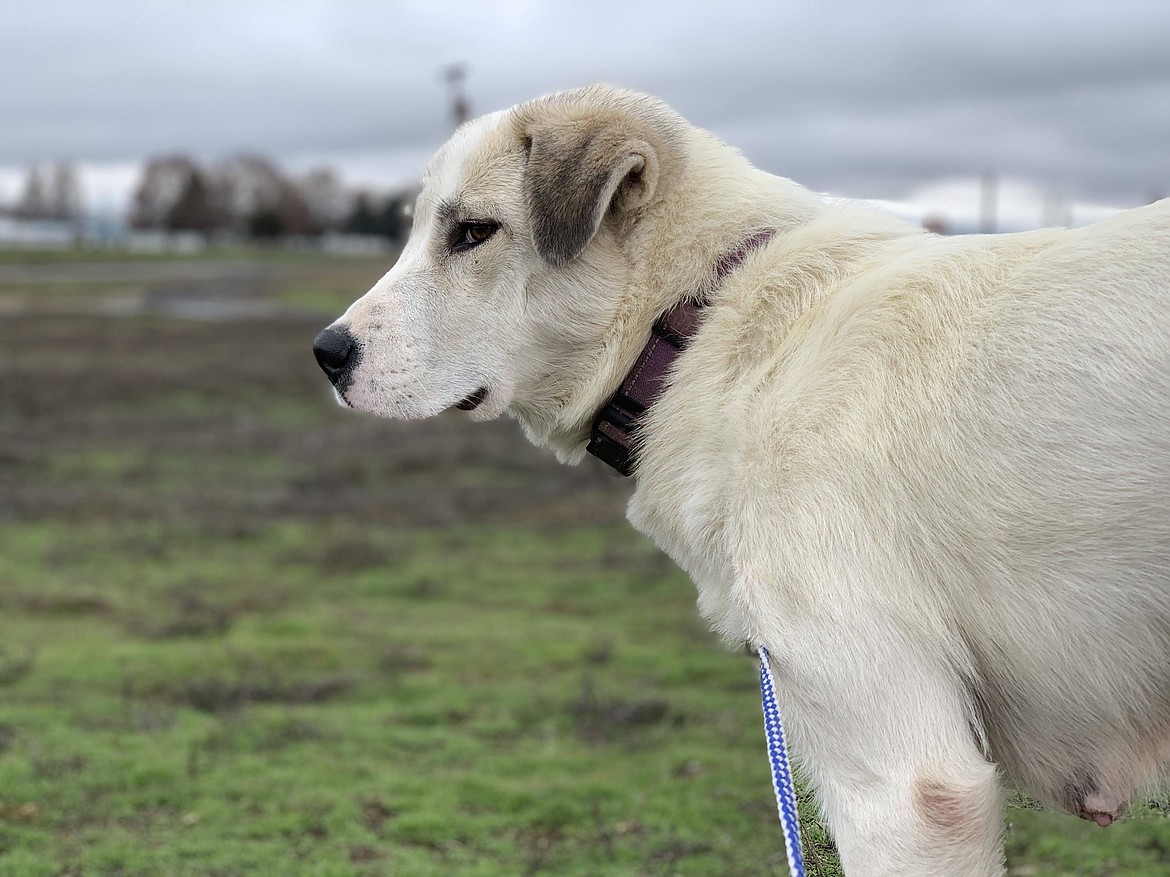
(859, 98)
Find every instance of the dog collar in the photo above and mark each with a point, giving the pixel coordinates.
(613, 439)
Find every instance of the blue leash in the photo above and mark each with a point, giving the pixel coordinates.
(781, 774)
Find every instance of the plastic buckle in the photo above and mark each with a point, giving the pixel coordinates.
(608, 449)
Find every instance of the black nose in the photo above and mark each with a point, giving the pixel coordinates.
(336, 352)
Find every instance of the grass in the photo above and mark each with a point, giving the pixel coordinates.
(243, 632)
(348, 701)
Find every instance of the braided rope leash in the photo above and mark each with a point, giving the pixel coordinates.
(782, 783)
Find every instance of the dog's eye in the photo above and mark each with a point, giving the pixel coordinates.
(472, 234)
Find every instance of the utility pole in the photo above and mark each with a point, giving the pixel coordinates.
(1053, 211)
(455, 75)
(988, 201)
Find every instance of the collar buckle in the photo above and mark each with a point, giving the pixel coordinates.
(610, 450)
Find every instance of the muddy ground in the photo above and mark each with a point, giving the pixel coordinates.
(209, 361)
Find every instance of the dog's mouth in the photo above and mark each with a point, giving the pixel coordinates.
(470, 403)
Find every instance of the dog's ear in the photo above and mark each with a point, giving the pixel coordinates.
(579, 170)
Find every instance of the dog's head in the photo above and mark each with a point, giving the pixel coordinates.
(515, 270)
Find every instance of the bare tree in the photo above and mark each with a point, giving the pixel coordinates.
(164, 180)
(63, 194)
(325, 196)
(195, 209)
(362, 219)
(247, 193)
(259, 198)
(33, 202)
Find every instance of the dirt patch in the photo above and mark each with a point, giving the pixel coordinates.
(62, 603)
(218, 694)
(15, 667)
(676, 850)
(352, 555)
(398, 659)
(375, 813)
(167, 419)
(603, 720)
(189, 615)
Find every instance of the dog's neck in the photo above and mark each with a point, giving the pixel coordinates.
(670, 254)
(613, 435)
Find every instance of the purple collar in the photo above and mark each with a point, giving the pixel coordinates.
(613, 439)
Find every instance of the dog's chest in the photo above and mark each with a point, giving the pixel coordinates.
(682, 503)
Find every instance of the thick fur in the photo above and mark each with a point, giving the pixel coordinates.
(931, 474)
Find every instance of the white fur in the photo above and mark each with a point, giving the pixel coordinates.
(931, 474)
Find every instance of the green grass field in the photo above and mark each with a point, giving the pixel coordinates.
(244, 632)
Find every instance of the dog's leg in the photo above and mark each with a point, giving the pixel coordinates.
(881, 727)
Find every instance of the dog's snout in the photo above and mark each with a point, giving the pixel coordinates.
(336, 351)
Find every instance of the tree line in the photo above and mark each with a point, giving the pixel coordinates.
(51, 191)
(248, 195)
(244, 196)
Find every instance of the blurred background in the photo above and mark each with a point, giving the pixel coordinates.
(244, 631)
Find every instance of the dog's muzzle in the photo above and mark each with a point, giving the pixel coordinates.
(337, 353)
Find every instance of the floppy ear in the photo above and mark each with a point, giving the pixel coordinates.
(577, 172)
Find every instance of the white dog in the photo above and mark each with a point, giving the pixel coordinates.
(931, 474)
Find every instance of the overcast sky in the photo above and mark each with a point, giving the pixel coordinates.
(871, 99)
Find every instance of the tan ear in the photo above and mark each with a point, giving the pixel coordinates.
(578, 171)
